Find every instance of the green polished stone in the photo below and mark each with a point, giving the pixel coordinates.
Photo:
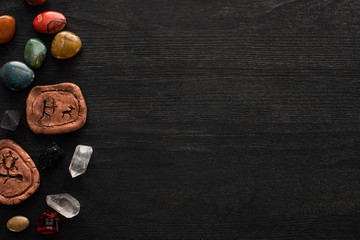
(35, 53)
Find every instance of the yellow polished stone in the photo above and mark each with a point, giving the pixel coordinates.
(65, 45)
(17, 224)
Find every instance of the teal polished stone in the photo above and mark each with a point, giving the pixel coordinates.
(16, 75)
(35, 53)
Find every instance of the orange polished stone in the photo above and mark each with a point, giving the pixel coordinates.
(35, 2)
(7, 28)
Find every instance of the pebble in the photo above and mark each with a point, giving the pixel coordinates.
(35, 53)
(65, 45)
(49, 22)
(16, 75)
(7, 28)
(17, 224)
(35, 2)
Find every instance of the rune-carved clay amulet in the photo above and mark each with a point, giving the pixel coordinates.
(55, 109)
(19, 177)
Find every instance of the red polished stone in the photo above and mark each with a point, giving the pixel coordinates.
(49, 22)
(48, 223)
(35, 2)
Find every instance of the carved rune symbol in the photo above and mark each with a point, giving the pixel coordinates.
(8, 163)
(68, 111)
(45, 107)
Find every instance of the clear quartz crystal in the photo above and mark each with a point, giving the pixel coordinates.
(64, 203)
(80, 160)
(10, 120)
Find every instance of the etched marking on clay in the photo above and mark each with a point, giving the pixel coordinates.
(44, 112)
(68, 111)
(8, 163)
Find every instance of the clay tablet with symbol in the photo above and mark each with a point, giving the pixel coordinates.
(19, 177)
(55, 109)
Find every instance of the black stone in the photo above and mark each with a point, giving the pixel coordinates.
(51, 157)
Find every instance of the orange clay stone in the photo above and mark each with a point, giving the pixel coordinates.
(65, 45)
(7, 28)
(19, 177)
(35, 2)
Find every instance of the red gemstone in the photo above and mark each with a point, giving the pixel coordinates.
(49, 22)
(48, 223)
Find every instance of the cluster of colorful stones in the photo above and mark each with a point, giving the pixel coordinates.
(65, 45)
(53, 109)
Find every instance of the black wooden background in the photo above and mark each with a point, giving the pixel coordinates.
(209, 119)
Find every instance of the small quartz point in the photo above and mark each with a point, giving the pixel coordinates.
(80, 160)
(11, 120)
(64, 203)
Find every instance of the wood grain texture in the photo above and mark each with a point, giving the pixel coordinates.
(209, 119)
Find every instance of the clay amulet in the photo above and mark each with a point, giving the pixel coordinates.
(55, 109)
(19, 177)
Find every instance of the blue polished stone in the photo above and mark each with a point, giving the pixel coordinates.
(16, 75)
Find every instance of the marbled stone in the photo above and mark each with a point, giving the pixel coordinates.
(17, 224)
(51, 157)
(64, 203)
(10, 120)
(19, 178)
(55, 109)
(65, 45)
(35, 53)
(49, 22)
(35, 2)
(48, 223)
(7, 28)
(80, 160)
(16, 75)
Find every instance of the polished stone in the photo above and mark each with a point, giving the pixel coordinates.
(64, 203)
(16, 75)
(65, 45)
(51, 157)
(35, 53)
(80, 160)
(48, 223)
(10, 120)
(49, 22)
(7, 28)
(17, 224)
(35, 2)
